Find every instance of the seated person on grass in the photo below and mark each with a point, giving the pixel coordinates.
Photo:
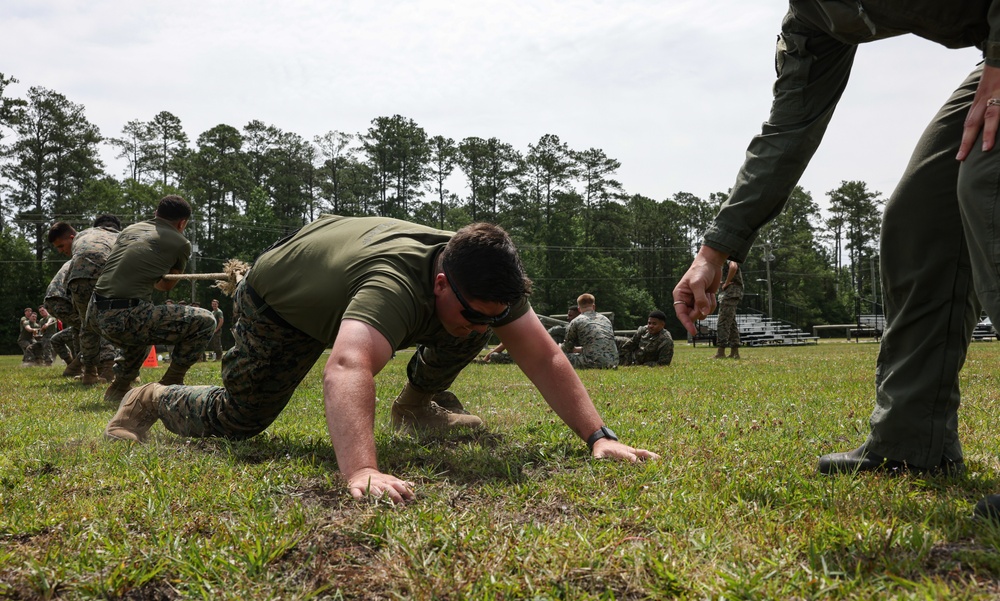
(590, 338)
(651, 345)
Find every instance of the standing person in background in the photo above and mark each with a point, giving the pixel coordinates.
(26, 338)
(590, 337)
(122, 307)
(47, 326)
(215, 345)
(727, 331)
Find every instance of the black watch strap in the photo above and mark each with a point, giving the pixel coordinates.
(602, 432)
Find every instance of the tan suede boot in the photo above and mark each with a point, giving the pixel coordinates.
(106, 369)
(73, 368)
(137, 413)
(175, 374)
(116, 392)
(449, 401)
(414, 411)
(90, 376)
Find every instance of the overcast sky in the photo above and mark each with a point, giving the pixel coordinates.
(672, 89)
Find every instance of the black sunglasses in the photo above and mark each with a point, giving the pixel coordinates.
(471, 315)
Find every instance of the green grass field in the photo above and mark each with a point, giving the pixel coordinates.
(734, 509)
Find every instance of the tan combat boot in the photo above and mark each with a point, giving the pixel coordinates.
(175, 374)
(73, 368)
(106, 369)
(90, 376)
(415, 411)
(137, 413)
(116, 392)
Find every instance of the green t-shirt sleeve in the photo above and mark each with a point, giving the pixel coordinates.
(391, 312)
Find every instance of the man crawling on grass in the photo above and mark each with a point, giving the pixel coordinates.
(370, 286)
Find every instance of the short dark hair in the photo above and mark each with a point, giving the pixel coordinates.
(173, 208)
(485, 264)
(60, 229)
(657, 314)
(108, 221)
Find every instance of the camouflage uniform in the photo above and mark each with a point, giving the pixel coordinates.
(596, 335)
(271, 356)
(65, 343)
(44, 342)
(727, 331)
(558, 333)
(143, 253)
(90, 251)
(269, 360)
(646, 349)
(134, 329)
(215, 344)
(58, 302)
(26, 340)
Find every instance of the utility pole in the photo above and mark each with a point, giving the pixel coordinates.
(768, 257)
(194, 263)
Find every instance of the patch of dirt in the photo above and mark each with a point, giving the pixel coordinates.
(330, 557)
(152, 591)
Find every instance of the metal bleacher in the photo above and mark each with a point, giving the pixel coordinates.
(984, 330)
(756, 330)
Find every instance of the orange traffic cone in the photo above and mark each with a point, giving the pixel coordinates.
(151, 359)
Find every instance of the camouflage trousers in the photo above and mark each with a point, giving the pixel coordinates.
(62, 309)
(435, 365)
(727, 332)
(585, 361)
(66, 343)
(134, 329)
(259, 374)
(28, 349)
(215, 344)
(268, 362)
(42, 349)
(94, 349)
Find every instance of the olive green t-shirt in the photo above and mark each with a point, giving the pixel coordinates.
(376, 270)
(142, 254)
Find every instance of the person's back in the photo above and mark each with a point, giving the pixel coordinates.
(90, 253)
(143, 253)
(594, 334)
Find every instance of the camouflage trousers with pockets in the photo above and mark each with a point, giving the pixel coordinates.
(727, 332)
(267, 363)
(94, 349)
(66, 343)
(135, 329)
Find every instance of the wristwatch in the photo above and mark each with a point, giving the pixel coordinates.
(602, 432)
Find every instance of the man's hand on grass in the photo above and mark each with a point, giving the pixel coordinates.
(613, 449)
(369, 481)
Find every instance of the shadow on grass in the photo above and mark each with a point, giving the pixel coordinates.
(457, 457)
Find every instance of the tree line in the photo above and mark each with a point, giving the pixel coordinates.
(577, 226)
